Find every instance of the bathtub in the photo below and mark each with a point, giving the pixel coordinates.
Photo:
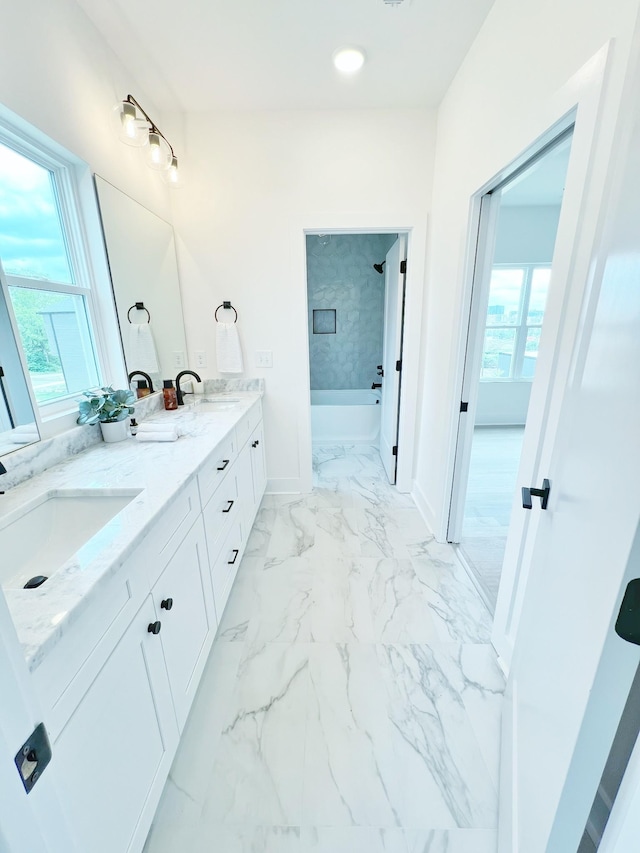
(345, 416)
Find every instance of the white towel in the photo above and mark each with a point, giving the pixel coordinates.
(163, 435)
(151, 427)
(228, 349)
(141, 352)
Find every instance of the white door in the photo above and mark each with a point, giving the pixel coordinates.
(33, 821)
(394, 281)
(570, 673)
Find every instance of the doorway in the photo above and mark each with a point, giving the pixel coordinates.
(512, 276)
(355, 309)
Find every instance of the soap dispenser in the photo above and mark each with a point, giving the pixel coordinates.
(169, 394)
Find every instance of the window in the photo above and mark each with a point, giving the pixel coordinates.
(517, 299)
(43, 270)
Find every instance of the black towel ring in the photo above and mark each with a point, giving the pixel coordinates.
(140, 307)
(228, 307)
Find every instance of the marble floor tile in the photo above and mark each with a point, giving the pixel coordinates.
(352, 839)
(352, 699)
(223, 838)
(257, 774)
(446, 783)
(452, 841)
(350, 772)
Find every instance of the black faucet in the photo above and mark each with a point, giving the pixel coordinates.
(3, 470)
(182, 373)
(146, 376)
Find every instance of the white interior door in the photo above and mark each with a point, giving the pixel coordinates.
(391, 354)
(570, 673)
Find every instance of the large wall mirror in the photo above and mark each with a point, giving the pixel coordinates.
(144, 273)
(18, 425)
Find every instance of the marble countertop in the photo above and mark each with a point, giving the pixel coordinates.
(158, 469)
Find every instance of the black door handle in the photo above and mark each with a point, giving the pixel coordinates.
(222, 467)
(628, 621)
(528, 492)
(235, 552)
(228, 509)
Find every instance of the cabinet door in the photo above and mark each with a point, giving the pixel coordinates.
(223, 571)
(184, 604)
(258, 464)
(244, 477)
(114, 754)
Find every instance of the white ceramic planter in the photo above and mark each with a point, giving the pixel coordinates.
(116, 431)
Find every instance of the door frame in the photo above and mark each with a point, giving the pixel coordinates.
(578, 102)
(415, 231)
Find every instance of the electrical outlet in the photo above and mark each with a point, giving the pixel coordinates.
(200, 358)
(264, 358)
(178, 360)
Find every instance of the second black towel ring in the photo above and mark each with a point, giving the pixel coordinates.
(228, 307)
(140, 307)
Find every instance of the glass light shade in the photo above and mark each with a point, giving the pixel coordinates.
(172, 175)
(159, 152)
(348, 60)
(131, 128)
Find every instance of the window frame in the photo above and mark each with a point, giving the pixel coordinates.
(67, 173)
(521, 328)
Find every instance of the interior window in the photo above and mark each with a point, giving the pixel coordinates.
(517, 299)
(43, 271)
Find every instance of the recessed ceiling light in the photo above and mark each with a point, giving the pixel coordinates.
(349, 59)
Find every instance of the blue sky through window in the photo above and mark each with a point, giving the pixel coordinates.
(31, 238)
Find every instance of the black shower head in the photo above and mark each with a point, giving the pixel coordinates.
(378, 267)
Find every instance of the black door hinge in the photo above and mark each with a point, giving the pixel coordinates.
(464, 407)
(395, 450)
(399, 365)
(403, 267)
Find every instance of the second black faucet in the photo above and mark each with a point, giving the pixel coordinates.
(182, 373)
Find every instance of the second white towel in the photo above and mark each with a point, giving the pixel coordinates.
(228, 349)
(164, 435)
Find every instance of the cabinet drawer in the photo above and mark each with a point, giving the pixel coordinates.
(248, 423)
(213, 471)
(169, 530)
(65, 674)
(220, 513)
(224, 570)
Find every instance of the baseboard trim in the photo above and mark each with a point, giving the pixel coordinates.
(424, 507)
(285, 486)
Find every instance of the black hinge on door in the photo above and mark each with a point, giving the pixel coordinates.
(395, 450)
(403, 267)
(464, 407)
(399, 365)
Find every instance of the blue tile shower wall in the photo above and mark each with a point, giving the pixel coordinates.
(340, 275)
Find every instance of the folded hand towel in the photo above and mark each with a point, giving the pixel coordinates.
(157, 436)
(228, 349)
(151, 427)
(19, 436)
(141, 352)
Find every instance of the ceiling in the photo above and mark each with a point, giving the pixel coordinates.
(198, 55)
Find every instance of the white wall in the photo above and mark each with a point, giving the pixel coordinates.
(257, 180)
(498, 104)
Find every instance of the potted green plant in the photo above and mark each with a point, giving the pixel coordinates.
(110, 409)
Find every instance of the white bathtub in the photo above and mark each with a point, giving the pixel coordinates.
(345, 416)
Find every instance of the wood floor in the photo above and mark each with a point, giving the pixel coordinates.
(492, 481)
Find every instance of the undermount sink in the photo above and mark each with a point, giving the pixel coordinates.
(221, 404)
(40, 537)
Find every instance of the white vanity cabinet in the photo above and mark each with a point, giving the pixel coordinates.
(183, 601)
(114, 753)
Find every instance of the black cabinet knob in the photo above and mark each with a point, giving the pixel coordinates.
(255, 443)
(166, 604)
(225, 462)
(154, 627)
(235, 553)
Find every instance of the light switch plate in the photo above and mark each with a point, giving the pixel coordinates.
(264, 358)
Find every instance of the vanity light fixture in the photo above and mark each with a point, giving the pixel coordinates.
(135, 127)
(348, 60)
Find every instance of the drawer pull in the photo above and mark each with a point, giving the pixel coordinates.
(255, 443)
(228, 509)
(235, 552)
(154, 627)
(166, 604)
(224, 465)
